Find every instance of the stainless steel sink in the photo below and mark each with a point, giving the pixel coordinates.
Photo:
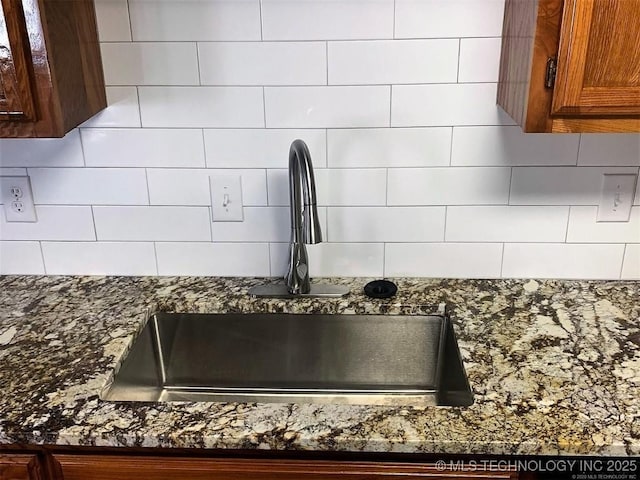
(292, 358)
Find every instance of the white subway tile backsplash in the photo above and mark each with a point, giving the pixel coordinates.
(42, 152)
(89, 186)
(327, 20)
(559, 185)
(99, 258)
(261, 224)
(351, 259)
(13, 172)
(351, 187)
(112, 17)
(418, 171)
(168, 186)
(195, 20)
(214, 259)
(448, 18)
(479, 59)
(22, 258)
(631, 264)
(115, 147)
(389, 147)
(149, 63)
(123, 110)
(343, 187)
(458, 260)
(278, 186)
(531, 260)
(393, 61)
(263, 63)
(173, 186)
(446, 105)
(486, 146)
(506, 224)
(583, 227)
(334, 259)
(448, 186)
(600, 149)
(201, 107)
(261, 148)
(171, 224)
(54, 223)
(327, 107)
(385, 224)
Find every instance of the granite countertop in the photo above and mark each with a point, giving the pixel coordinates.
(554, 366)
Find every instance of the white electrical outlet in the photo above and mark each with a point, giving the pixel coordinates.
(17, 199)
(617, 197)
(226, 198)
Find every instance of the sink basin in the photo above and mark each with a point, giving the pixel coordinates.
(294, 358)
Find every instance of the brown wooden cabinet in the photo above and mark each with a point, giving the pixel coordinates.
(20, 467)
(571, 65)
(51, 76)
(119, 467)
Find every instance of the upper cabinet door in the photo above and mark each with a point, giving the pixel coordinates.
(50, 67)
(595, 45)
(599, 58)
(16, 100)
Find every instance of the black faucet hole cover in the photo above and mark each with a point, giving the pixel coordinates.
(380, 289)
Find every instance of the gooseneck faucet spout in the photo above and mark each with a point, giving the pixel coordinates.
(305, 225)
(305, 229)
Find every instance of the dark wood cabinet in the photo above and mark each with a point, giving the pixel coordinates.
(16, 91)
(119, 467)
(51, 76)
(20, 467)
(571, 65)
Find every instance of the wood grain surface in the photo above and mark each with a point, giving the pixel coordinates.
(62, 78)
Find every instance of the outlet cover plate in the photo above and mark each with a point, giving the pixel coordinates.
(617, 197)
(17, 199)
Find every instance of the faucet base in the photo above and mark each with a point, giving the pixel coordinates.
(317, 290)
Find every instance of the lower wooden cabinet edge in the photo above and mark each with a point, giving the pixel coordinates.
(123, 467)
(20, 466)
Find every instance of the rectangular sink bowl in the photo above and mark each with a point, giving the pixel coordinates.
(294, 358)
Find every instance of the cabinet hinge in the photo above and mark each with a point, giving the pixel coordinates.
(552, 68)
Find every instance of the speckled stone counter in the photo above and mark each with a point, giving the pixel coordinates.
(554, 366)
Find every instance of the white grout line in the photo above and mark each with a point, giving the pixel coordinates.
(510, 185)
(264, 107)
(451, 148)
(394, 18)
(204, 149)
(327, 59)
(130, 23)
(139, 106)
(458, 69)
(44, 264)
(261, 22)
(384, 260)
(146, 178)
(446, 215)
(198, 64)
(624, 254)
(578, 152)
(95, 230)
(155, 254)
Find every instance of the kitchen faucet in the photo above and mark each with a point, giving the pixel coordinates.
(305, 229)
(305, 225)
